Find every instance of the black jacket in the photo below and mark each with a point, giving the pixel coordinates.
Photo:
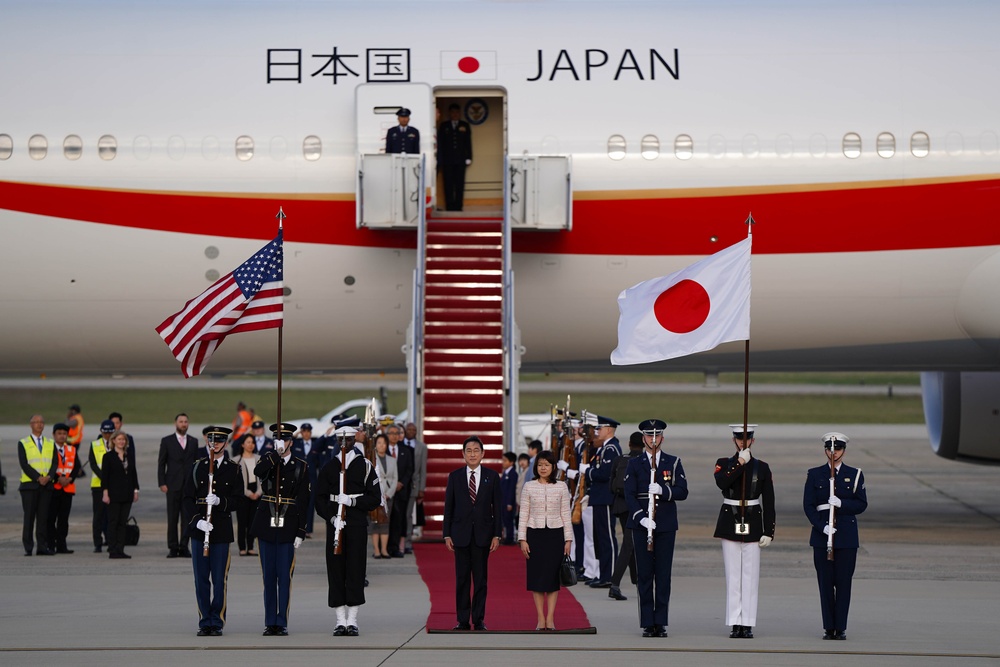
(751, 481)
(294, 498)
(465, 522)
(119, 481)
(227, 482)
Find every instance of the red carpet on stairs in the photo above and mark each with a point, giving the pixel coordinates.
(509, 606)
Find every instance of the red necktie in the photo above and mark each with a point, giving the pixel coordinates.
(392, 452)
(472, 487)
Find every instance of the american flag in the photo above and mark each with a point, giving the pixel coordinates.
(248, 299)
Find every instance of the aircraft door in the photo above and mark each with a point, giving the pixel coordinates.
(388, 184)
(541, 192)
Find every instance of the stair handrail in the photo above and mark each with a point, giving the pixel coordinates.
(510, 356)
(415, 375)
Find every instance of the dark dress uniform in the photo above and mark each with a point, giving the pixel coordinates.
(401, 139)
(345, 572)
(653, 568)
(454, 144)
(601, 499)
(280, 519)
(211, 572)
(835, 576)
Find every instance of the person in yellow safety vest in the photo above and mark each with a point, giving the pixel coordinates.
(98, 448)
(36, 455)
(68, 468)
(74, 420)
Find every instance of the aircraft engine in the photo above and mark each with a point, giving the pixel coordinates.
(962, 411)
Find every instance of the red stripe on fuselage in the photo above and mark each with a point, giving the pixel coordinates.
(851, 219)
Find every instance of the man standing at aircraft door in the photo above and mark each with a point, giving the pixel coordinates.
(403, 138)
(454, 144)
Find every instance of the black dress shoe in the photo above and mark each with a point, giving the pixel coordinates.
(268, 631)
(46, 552)
(479, 626)
(339, 631)
(97, 550)
(64, 551)
(661, 631)
(600, 584)
(462, 626)
(352, 631)
(173, 553)
(117, 556)
(204, 632)
(839, 634)
(184, 553)
(747, 632)
(124, 555)
(828, 634)
(615, 593)
(737, 632)
(215, 631)
(396, 554)
(27, 553)
(649, 631)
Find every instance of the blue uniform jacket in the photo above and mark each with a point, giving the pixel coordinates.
(402, 142)
(599, 473)
(508, 486)
(850, 485)
(669, 475)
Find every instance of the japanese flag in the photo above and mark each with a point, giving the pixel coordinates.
(692, 310)
(468, 65)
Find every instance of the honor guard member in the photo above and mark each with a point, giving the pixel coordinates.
(345, 501)
(211, 492)
(654, 483)
(834, 539)
(598, 476)
(587, 567)
(313, 452)
(746, 523)
(280, 524)
(68, 468)
(98, 448)
(403, 138)
(36, 456)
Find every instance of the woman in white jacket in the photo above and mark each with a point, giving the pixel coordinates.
(378, 522)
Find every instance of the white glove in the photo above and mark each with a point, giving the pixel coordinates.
(468, 162)
(212, 499)
(562, 465)
(572, 474)
(298, 542)
(744, 455)
(835, 501)
(279, 446)
(765, 541)
(583, 468)
(656, 489)
(205, 526)
(584, 502)
(829, 530)
(338, 523)
(345, 500)
(648, 524)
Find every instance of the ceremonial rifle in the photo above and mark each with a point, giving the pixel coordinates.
(651, 503)
(377, 515)
(208, 511)
(568, 450)
(338, 545)
(832, 519)
(581, 484)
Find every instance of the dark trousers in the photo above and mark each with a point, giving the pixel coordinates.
(507, 517)
(653, 570)
(99, 525)
(835, 578)
(245, 511)
(58, 528)
(117, 520)
(605, 541)
(578, 537)
(277, 563)
(210, 576)
(35, 503)
(626, 557)
(471, 567)
(397, 519)
(175, 515)
(345, 573)
(454, 186)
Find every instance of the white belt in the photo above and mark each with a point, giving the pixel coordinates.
(333, 496)
(824, 506)
(737, 503)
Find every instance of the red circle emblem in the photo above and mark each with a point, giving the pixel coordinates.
(468, 64)
(683, 307)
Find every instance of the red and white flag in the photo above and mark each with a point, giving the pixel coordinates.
(248, 299)
(468, 65)
(692, 310)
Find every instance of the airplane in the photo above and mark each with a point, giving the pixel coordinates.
(146, 149)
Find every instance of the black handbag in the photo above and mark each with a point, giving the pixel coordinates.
(131, 532)
(3, 485)
(421, 517)
(567, 572)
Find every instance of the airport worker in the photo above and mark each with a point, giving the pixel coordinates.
(745, 525)
(654, 484)
(418, 483)
(598, 476)
(75, 422)
(36, 456)
(68, 469)
(454, 145)
(402, 138)
(313, 452)
(241, 426)
(405, 467)
(834, 538)
(280, 524)
(626, 557)
(344, 501)
(212, 491)
(178, 452)
(98, 448)
(472, 530)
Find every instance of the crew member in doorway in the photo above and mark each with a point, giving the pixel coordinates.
(454, 144)
(403, 138)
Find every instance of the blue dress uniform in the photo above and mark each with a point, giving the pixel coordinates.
(834, 577)
(598, 477)
(508, 494)
(211, 572)
(280, 526)
(400, 139)
(454, 145)
(654, 567)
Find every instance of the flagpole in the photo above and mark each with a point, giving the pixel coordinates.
(281, 327)
(750, 222)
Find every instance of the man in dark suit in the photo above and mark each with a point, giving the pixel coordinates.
(314, 452)
(405, 466)
(472, 530)
(403, 138)
(848, 498)
(454, 144)
(178, 452)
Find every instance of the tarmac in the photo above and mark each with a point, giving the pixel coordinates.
(926, 591)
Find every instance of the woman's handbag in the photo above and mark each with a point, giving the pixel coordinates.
(421, 519)
(131, 532)
(567, 572)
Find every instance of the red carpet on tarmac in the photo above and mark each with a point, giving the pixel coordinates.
(509, 606)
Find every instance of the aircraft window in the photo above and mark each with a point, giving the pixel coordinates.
(616, 147)
(650, 147)
(38, 147)
(885, 144)
(72, 147)
(6, 146)
(784, 145)
(920, 144)
(683, 146)
(312, 147)
(244, 148)
(107, 147)
(211, 276)
(751, 146)
(852, 145)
